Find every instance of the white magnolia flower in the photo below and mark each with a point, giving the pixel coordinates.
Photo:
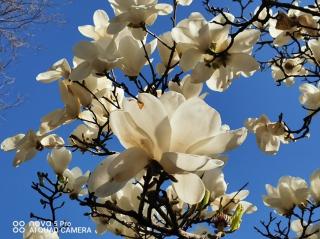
(228, 203)
(59, 159)
(186, 87)
(315, 186)
(287, 69)
(73, 96)
(94, 58)
(27, 145)
(292, 24)
(269, 134)
(203, 41)
(99, 30)
(83, 134)
(289, 193)
(75, 181)
(313, 229)
(60, 69)
(135, 14)
(34, 231)
(310, 96)
(166, 53)
(179, 134)
(133, 55)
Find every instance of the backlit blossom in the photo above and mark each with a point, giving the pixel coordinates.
(289, 193)
(228, 203)
(310, 96)
(145, 129)
(207, 52)
(269, 135)
(285, 70)
(75, 181)
(27, 145)
(60, 69)
(59, 159)
(292, 24)
(136, 14)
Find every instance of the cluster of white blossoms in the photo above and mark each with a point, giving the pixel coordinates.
(293, 192)
(166, 123)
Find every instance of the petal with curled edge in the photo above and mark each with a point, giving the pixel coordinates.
(100, 181)
(128, 164)
(189, 188)
(219, 143)
(12, 142)
(173, 162)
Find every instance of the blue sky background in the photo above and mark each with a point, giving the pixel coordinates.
(245, 98)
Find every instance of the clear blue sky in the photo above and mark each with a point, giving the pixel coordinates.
(245, 98)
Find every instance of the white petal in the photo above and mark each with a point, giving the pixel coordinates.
(219, 143)
(190, 58)
(49, 76)
(243, 63)
(128, 164)
(173, 162)
(200, 119)
(100, 181)
(12, 142)
(189, 188)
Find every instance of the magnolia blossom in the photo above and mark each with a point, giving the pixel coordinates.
(75, 181)
(269, 134)
(59, 159)
(157, 129)
(60, 69)
(313, 229)
(310, 96)
(99, 30)
(136, 14)
(292, 24)
(287, 69)
(228, 203)
(93, 58)
(206, 50)
(289, 193)
(27, 145)
(83, 134)
(315, 186)
(34, 231)
(186, 87)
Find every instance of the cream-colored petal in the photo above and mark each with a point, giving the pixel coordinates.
(128, 132)
(173, 162)
(12, 142)
(220, 143)
(200, 119)
(100, 181)
(189, 188)
(171, 101)
(150, 115)
(49, 76)
(128, 164)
